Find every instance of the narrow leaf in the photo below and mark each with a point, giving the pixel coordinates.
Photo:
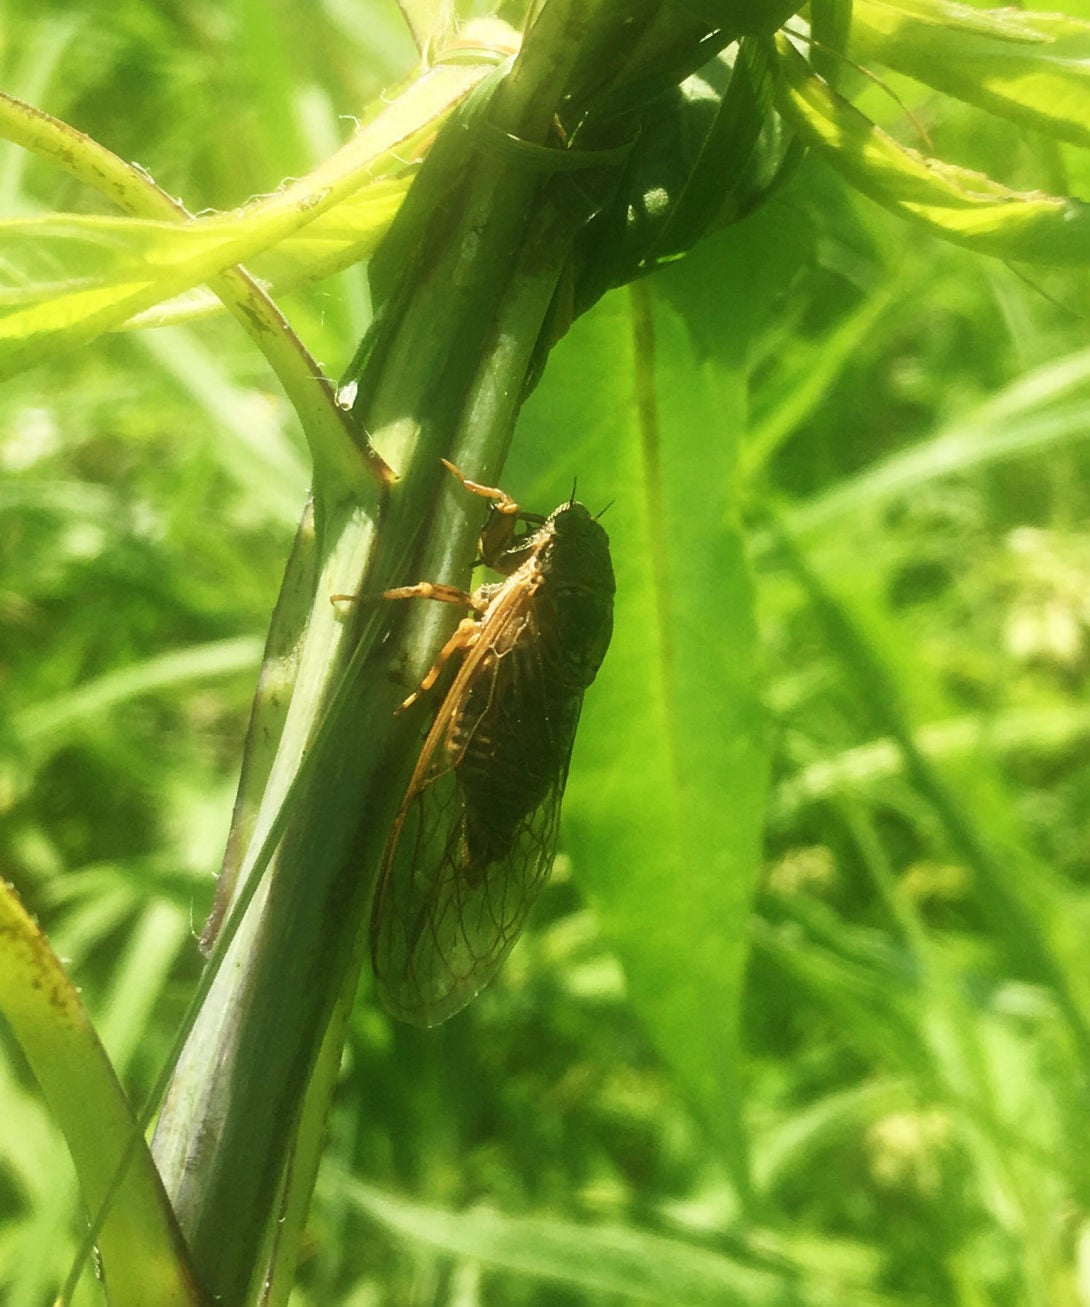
(666, 796)
(957, 203)
(635, 1264)
(1031, 68)
(140, 1244)
(377, 150)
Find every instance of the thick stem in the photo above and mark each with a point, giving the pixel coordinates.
(467, 282)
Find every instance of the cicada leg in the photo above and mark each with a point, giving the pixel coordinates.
(464, 637)
(502, 548)
(445, 594)
(501, 500)
(465, 633)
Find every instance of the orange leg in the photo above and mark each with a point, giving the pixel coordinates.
(502, 501)
(446, 594)
(498, 536)
(464, 637)
(467, 630)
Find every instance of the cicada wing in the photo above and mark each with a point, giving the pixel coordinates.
(444, 917)
(476, 834)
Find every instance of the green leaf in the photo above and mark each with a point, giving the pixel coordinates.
(59, 254)
(139, 1241)
(1031, 68)
(749, 16)
(197, 249)
(635, 1264)
(1037, 413)
(993, 852)
(709, 152)
(224, 658)
(962, 205)
(665, 801)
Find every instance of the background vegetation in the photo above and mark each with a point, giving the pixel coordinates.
(908, 422)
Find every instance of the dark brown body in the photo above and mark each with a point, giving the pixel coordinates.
(476, 834)
(515, 730)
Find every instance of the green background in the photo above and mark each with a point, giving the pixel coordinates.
(877, 435)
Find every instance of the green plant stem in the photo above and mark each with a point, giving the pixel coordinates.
(464, 285)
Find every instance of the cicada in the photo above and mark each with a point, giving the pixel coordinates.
(476, 833)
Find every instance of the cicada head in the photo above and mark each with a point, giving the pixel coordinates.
(577, 551)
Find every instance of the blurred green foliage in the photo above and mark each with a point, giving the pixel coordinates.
(915, 494)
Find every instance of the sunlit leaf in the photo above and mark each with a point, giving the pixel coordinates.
(1030, 67)
(955, 202)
